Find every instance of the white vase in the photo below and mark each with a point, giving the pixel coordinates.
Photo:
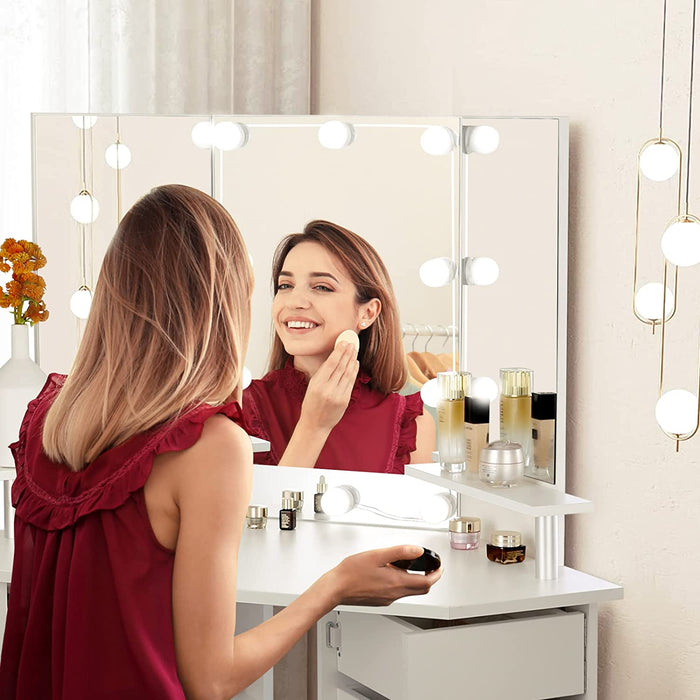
(21, 379)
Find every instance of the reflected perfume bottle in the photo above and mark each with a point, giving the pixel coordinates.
(544, 430)
(516, 409)
(451, 442)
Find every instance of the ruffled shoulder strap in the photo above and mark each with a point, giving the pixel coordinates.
(406, 428)
(52, 497)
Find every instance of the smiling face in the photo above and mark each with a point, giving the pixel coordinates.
(315, 301)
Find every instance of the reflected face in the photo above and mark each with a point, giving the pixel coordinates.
(315, 302)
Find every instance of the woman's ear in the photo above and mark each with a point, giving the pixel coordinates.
(369, 312)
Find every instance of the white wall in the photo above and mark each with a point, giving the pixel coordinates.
(598, 63)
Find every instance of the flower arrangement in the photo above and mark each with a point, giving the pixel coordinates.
(24, 292)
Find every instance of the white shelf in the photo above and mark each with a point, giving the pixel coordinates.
(529, 497)
(259, 445)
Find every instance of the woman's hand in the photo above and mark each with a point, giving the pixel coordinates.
(369, 579)
(329, 390)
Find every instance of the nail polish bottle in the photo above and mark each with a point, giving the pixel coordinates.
(321, 488)
(288, 515)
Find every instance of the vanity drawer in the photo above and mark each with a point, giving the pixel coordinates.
(524, 656)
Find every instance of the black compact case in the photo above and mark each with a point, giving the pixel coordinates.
(427, 562)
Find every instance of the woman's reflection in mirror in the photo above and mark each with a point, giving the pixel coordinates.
(331, 407)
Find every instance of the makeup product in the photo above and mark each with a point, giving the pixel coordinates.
(465, 533)
(321, 488)
(452, 446)
(427, 562)
(288, 515)
(501, 463)
(297, 497)
(516, 408)
(256, 517)
(544, 430)
(506, 547)
(351, 337)
(476, 430)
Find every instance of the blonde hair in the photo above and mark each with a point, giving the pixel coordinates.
(168, 327)
(381, 353)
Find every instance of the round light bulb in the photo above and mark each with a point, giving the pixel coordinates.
(650, 298)
(203, 134)
(659, 161)
(118, 156)
(437, 508)
(335, 134)
(339, 500)
(680, 242)
(482, 139)
(437, 140)
(484, 388)
(437, 272)
(677, 412)
(84, 121)
(84, 208)
(80, 303)
(246, 378)
(430, 393)
(230, 135)
(481, 271)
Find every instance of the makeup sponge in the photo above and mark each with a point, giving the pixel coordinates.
(349, 337)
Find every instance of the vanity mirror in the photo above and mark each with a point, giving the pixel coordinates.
(411, 204)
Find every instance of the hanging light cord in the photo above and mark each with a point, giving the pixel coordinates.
(690, 107)
(663, 71)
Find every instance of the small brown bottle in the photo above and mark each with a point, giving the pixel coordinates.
(288, 515)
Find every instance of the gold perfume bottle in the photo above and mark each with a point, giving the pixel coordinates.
(451, 442)
(516, 409)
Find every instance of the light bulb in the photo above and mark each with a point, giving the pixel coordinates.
(677, 412)
(482, 139)
(84, 121)
(481, 271)
(246, 378)
(437, 272)
(650, 298)
(335, 134)
(339, 500)
(118, 156)
(437, 508)
(659, 161)
(430, 393)
(84, 208)
(680, 242)
(80, 302)
(230, 135)
(203, 134)
(484, 388)
(437, 140)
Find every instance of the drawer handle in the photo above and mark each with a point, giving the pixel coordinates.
(333, 635)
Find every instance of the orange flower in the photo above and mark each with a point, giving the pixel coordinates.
(25, 287)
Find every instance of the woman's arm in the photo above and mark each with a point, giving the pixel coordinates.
(425, 439)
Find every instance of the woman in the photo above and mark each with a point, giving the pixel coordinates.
(133, 481)
(325, 406)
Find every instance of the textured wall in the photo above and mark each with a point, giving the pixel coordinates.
(598, 63)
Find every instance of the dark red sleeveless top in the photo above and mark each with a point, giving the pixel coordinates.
(90, 608)
(377, 432)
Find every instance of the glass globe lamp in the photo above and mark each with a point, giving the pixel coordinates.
(228, 136)
(680, 241)
(677, 412)
(649, 300)
(80, 303)
(203, 134)
(430, 393)
(484, 388)
(659, 161)
(437, 272)
(84, 208)
(118, 156)
(481, 271)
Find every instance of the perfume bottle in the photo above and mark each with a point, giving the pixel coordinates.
(288, 515)
(544, 422)
(321, 488)
(516, 409)
(476, 430)
(451, 443)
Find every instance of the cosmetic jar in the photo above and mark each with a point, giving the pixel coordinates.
(501, 463)
(256, 517)
(506, 547)
(297, 497)
(465, 533)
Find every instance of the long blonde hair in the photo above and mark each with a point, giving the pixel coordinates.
(168, 327)
(381, 350)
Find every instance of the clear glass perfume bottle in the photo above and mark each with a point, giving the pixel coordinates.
(516, 409)
(451, 442)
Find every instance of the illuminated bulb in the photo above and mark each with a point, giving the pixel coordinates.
(437, 140)
(80, 302)
(84, 121)
(339, 500)
(118, 156)
(247, 378)
(659, 161)
(481, 271)
(677, 412)
(437, 272)
(84, 208)
(680, 242)
(438, 508)
(335, 134)
(650, 298)
(230, 135)
(203, 134)
(482, 139)
(430, 393)
(484, 388)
